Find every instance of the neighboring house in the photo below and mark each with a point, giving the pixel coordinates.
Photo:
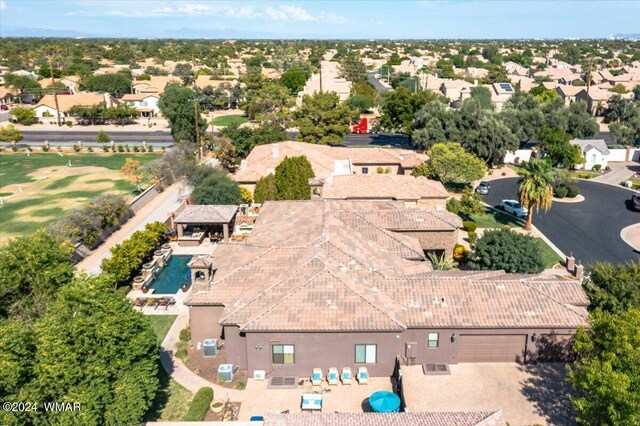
(525, 84)
(472, 72)
(568, 93)
(594, 151)
(327, 80)
(47, 106)
(8, 95)
(412, 191)
(154, 86)
(325, 160)
(322, 284)
(514, 68)
(71, 83)
(500, 94)
(598, 98)
(146, 104)
(409, 66)
(452, 89)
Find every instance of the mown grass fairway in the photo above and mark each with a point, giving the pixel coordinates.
(37, 189)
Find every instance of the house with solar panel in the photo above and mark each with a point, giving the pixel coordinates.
(500, 94)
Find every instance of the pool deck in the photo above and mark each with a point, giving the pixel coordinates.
(206, 248)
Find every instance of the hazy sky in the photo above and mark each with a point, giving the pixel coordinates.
(331, 19)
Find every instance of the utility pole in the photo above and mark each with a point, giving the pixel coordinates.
(320, 77)
(588, 80)
(195, 116)
(53, 85)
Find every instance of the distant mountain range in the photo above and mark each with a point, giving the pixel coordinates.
(180, 33)
(635, 36)
(43, 32)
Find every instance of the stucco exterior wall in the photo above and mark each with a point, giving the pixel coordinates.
(203, 321)
(322, 350)
(237, 347)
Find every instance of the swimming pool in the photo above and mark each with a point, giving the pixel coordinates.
(172, 276)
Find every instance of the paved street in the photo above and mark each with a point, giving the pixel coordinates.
(590, 229)
(381, 88)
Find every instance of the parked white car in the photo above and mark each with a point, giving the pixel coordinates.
(513, 207)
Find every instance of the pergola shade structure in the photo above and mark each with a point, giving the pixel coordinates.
(195, 221)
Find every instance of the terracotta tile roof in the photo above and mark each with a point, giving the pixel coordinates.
(263, 159)
(383, 186)
(468, 418)
(139, 96)
(65, 102)
(195, 214)
(336, 265)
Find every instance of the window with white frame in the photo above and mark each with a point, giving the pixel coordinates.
(432, 340)
(283, 354)
(366, 354)
(365, 170)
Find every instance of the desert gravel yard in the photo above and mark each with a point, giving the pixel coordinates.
(527, 395)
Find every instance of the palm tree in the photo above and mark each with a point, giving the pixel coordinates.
(535, 190)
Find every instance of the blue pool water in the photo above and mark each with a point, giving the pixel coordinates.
(172, 276)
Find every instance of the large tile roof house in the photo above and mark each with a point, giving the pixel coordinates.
(347, 284)
(325, 160)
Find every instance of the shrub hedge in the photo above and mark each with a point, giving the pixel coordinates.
(560, 191)
(128, 256)
(199, 406)
(469, 226)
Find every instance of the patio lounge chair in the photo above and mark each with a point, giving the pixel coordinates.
(170, 302)
(139, 302)
(163, 302)
(363, 376)
(152, 302)
(346, 376)
(332, 376)
(316, 377)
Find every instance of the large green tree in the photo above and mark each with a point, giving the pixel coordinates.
(218, 188)
(352, 68)
(177, 106)
(435, 123)
(244, 139)
(185, 72)
(554, 143)
(295, 79)
(580, 123)
(292, 178)
(450, 164)
(10, 133)
(95, 349)
(322, 119)
(399, 109)
(613, 288)
(606, 375)
(490, 140)
(116, 84)
(535, 188)
(271, 103)
(265, 189)
(523, 115)
(32, 269)
(503, 249)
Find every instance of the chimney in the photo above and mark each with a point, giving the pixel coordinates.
(475, 82)
(243, 164)
(275, 150)
(107, 100)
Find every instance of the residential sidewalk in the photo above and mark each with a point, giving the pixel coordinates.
(156, 210)
(631, 236)
(620, 171)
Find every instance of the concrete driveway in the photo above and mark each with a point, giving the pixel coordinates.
(589, 229)
(527, 395)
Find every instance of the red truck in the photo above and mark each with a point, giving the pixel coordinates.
(361, 127)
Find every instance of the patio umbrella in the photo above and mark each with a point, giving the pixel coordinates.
(384, 402)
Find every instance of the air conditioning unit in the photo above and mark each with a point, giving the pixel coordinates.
(258, 374)
(210, 347)
(225, 372)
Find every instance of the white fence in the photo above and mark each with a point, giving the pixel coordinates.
(522, 155)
